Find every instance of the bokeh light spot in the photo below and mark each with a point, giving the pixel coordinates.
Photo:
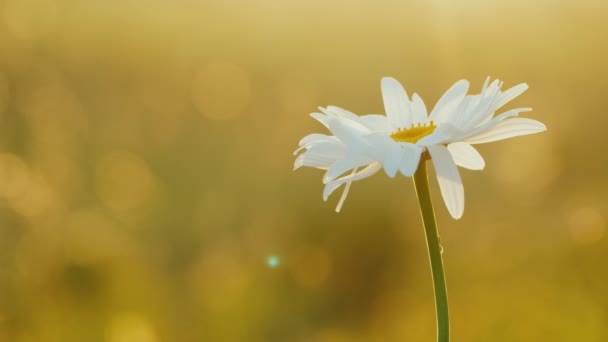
(221, 90)
(273, 261)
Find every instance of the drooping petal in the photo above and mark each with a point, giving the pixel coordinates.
(449, 180)
(331, 149)
(341, 166)
(396, 103)
(368, 171)
(466, 156)
(507, 129)
(322, 144)
(449, 102)
(419, 113)
(316, 137)
(410, 160)
(343, 197)
(319, 161)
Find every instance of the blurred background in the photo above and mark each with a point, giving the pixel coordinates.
(147, 191)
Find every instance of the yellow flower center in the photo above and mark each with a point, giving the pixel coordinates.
(414, 133)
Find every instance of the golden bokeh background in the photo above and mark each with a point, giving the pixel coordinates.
(147, 191)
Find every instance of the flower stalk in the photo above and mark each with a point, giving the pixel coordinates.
(421, 184)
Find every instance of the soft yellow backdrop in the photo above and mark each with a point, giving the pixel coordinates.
(147, 191)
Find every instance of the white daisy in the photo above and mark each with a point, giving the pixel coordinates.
(396, 142)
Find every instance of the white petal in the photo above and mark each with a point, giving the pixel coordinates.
(485, 84)
(509, 95)
(343, 197)
(316, 137)
(489, 124)
(492, 89)
(370, 170)
(449, 180)
(466, 156)
(419, 112)
(475, 114)
(341, 112)
(331, 149)
(323, 119)
(443, 133)
(313, 160)
(449, 101)
(321, 144)
(507, 129)
(396, 103)
(376, 123)
(385, 150)
(512, 112)
(340, 167)
(392, 162)
(410, 160)
(349, 131)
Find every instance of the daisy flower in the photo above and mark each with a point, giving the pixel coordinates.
(359, 146)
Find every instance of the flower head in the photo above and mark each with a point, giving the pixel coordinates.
(362, 145)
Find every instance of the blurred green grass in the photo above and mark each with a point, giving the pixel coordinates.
(145, 173)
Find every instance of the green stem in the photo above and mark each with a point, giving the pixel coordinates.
(421, 182)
